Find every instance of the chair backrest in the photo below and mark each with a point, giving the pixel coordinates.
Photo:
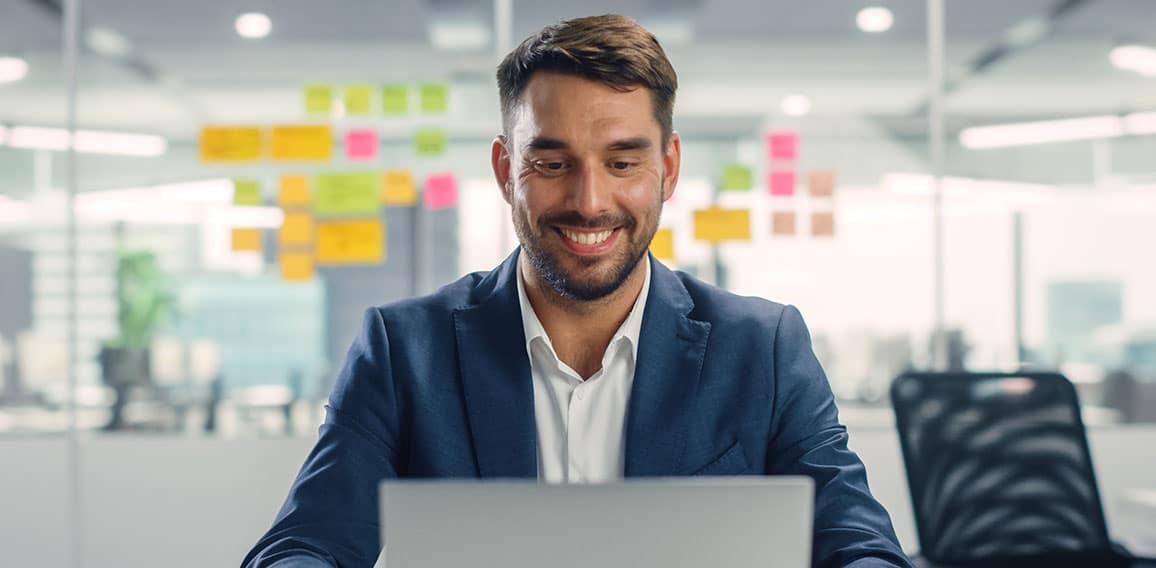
(998, 466)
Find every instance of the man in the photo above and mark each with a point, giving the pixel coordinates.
(580, 358)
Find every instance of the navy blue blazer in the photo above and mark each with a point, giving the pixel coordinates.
(440, 386)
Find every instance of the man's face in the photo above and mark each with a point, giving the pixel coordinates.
(585, 174)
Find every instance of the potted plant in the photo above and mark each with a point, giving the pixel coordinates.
(144, 303)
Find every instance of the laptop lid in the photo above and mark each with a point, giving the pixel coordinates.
(667, 523)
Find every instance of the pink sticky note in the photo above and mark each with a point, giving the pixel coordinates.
(361, 144)
(783, 145)
(441, 191)
(782, 183)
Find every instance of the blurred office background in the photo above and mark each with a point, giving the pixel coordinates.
(206, 304)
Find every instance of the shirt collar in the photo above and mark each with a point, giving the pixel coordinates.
(629, 331)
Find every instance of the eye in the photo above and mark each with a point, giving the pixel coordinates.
(621, 165)
(550, 166)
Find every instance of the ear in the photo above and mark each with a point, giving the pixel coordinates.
(671, 161)
(500, 161)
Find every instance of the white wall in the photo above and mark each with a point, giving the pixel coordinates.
(179, 502)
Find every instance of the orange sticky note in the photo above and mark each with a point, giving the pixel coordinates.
(245, 240)
(351, 242)
(230, 144)
(821, 183)
(296, 229)
(783, 223)
(293, 191)
(662, 245)
(302, 143)
(715, 224)
(398, 188)
(296, 266)
(823, 224)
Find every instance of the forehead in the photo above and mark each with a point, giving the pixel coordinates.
(576, 110)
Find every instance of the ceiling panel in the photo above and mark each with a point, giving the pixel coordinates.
(25, 26)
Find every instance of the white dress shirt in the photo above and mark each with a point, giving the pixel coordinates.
(581, 424)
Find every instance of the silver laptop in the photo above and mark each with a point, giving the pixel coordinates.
(667, 523)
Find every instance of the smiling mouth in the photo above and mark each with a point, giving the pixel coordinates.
(586, 238)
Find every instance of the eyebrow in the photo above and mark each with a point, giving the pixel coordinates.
(637, 143)
(544, 143)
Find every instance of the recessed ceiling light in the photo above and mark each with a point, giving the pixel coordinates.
(1136, 58)
(254, 25)
(796, 105)
(875, 19)
(107, 42)
(12, 69)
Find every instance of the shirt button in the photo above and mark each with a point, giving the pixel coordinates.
(579, 394)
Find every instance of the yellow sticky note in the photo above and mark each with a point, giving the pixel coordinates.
(318, 98)
(293, 191)
(247, 240)
(347, 194)
(230, 144)
(351, 242)
(398, 188)
(302, 143)
(246, 192)
(296, 229)
(662, 245)
(296, 266)
(717, 224)
(395, 99)
(358, 99)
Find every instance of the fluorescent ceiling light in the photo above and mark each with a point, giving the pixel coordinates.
(1136, 58)
(458, 34)
(1140, 123)
(87, 141)
(796, 105)
(253, 25)
(1045, 132)
(12, 69)
(875, 19)
(107, 42)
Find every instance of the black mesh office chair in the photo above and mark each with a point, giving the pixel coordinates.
(999, 471)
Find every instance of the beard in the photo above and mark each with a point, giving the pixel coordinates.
(579, 278)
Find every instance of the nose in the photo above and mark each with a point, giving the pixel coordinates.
(591, 193)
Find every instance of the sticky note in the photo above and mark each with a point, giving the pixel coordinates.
(395, 99)
(347, 194)
(351, 242)
(293, 191)
(361, 144)
(783, 223)
(783, 145)
(662, 245)
(441, 191)
(737, 177)
(398, 188)
(822, 224)
(246, 192)
(230, 144)
(821, 183)
(429, 142)
(245, 240)
(296, 266)
(358, 99)
(434, 97)
(717, 224)
(302, 143)
(318, 99)
(782, 183)
(296, 229)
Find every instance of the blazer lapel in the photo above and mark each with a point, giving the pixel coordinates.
(495, 373)
(666, 378)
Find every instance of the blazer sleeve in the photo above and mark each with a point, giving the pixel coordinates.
(330, 517)
(851, 527)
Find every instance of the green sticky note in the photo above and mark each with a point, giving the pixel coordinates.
(357, 99)
(430, 142)
(434, 97)
(395, 99)
(246, 192)
(318, 99)
(737, 177)
(347, 194)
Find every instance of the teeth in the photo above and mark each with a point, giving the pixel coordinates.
(587, 238)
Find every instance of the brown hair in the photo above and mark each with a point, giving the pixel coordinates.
(611, 49)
